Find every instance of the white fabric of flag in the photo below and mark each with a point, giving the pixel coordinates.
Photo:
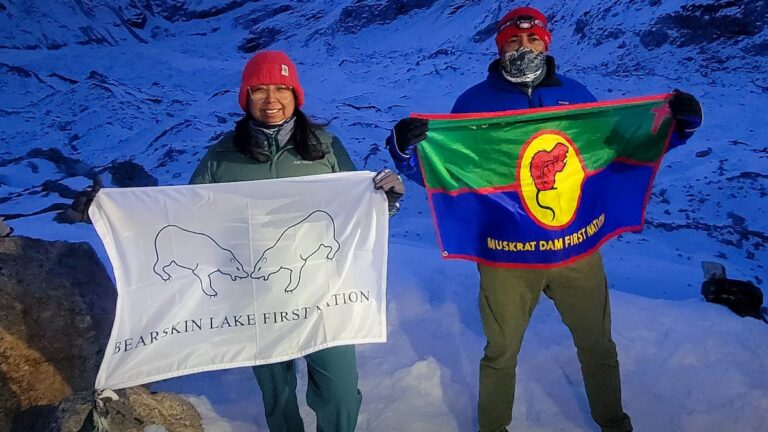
(238, 274)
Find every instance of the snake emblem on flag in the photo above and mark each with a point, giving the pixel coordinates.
(551, 175)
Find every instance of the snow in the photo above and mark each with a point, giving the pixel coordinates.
(686, 365)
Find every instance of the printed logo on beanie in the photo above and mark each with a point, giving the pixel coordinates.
(283, 70)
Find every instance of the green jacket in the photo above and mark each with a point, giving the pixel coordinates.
(223, 163)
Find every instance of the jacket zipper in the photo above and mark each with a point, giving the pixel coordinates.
(273, 150)
(530, 97)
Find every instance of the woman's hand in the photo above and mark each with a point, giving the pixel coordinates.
(392, 186)
(78, 210)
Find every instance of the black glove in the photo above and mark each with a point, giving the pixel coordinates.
(409, 132)
(392, 186)
(78, 210)
(686, 111)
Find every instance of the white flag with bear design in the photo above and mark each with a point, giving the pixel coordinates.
(240, 274)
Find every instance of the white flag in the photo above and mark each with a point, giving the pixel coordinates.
(239, 274)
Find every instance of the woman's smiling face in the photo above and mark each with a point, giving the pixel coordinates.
(271, 104)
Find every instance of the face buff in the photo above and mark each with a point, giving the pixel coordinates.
(523, 65)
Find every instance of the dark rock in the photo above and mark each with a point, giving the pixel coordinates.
(9, 405)
(259, 39)
(485, 33)
(736, 219)
(71, 413)
(57, 304)
(92, 36)
(134, 15)
(136, 409)
(742, 297)
(5, 231)
(757, 49)
(170, 10)
(458, 5)
(249, 21)
(748, 175)
(590, 26)
(704, 153)
(653, 38)
(711, 23)
(19, 71)
(36, 418)
(68, 80)
(60, 189)
(442, 52)
(180, 10)
(158, 32)
(581, 25)
(69, 166)
(130, 174)
(169, 156)
(214, 11)
(363, 13)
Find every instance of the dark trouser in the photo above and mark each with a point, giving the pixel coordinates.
(331, 391)
(579, 290)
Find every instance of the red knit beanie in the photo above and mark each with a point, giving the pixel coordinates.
(270, 67)
(509, 26)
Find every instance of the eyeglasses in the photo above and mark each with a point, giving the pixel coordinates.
(261, 93)
(524, 22)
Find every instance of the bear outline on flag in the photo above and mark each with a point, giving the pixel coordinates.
(201, 254)
(322, 231)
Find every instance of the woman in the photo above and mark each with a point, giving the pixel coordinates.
(267, 143)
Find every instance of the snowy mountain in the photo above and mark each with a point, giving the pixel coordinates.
(137, 89)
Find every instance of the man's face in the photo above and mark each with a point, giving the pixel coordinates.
(528, 40)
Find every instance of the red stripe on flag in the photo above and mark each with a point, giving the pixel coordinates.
(468, 116)
(479, 191)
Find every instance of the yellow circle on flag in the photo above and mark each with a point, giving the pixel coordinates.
(551, 174)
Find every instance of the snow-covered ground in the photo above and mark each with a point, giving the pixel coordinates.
(687, 365)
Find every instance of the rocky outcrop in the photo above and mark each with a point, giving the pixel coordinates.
(259, 39)
(136, 410)
(185, 10)
(9, 405)
(365, 13)
(708, 23)
(130, 174)
(57, 305)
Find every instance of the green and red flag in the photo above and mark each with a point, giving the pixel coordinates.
(542, 187)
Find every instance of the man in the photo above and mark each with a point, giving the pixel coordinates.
(524, 76)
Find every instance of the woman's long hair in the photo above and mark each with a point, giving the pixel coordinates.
(305, 139)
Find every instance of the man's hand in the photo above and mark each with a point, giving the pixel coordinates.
(409, 132)
(78, 210)
(392, 186)
(686, 111)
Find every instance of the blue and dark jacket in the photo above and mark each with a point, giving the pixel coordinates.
(496, 93)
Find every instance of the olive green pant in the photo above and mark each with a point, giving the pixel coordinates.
(579, 291)
(332, 391)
